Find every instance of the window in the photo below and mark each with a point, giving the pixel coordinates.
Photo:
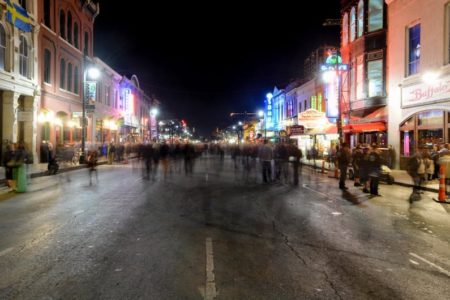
(375, 15)
(345, 29)
(352, 24)
(413, 49)
(353, 81)
(375, 77)
(75, 35)
(314, 102)
(62, 24)
(62, 74)
(76, 76)
(23, 3)
(320, 103)
(360, 18)
(23, 57)
(86, 43)
(69, 27)
(47, 13)
(2, 48)
(47, 65)
(360, 77)
(69, 77)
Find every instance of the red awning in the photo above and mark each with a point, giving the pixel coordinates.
(367, 127)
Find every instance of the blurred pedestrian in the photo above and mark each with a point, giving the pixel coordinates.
(92, 164)
(343, 156)
(265, 157)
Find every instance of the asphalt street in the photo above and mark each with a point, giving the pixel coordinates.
(219, 234)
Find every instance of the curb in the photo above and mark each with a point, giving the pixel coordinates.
(395, 182)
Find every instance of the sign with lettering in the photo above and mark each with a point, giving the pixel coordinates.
(424, 93)
(295, 130)
(312, 118)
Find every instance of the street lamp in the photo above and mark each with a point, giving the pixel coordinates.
(92, 73)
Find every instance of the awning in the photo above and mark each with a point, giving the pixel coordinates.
(330, 129)
(367, 127)
(378, 115)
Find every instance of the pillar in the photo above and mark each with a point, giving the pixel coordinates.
(10, 107)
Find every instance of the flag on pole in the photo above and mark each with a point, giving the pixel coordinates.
(18, 16)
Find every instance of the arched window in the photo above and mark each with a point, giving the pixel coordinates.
(361, 18)
(352, 24)
(86, 43)
(76, 76)
(62, 74)
(47, 65)
(23, 57)
(75, 35)
(69, 77)
(69, 27)
(345, 29)
(62, 24)
(2, 48)
(47, 14)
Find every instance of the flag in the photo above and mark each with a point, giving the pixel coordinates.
(18, 16)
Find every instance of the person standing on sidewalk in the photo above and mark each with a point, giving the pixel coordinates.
(266, 156)
(356, 162)
(343, 157)
(375, 169)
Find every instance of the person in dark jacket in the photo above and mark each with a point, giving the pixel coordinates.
(343, 157)
(375, 169)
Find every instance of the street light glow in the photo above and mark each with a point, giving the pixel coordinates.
(93, 73)
(154, 112)
(269, 96)
(261, 113)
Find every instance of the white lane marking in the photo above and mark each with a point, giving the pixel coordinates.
(414, 262)
(312, 190)
(6, 251)
(210, 290)
(442, 270)
(336, 213)
(78, 212)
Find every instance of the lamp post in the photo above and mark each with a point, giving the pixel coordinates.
(92, 73)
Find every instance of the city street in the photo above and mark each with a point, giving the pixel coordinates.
(219, 234)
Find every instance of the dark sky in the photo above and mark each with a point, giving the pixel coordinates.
(205, 61)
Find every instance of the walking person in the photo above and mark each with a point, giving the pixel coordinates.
(111, 152)
(92, 164)
(374, 170)
(265, 156)
(343, 156)
(295, 156)
(356, 162)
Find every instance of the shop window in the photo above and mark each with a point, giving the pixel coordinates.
(47, 65)
(375, 77)
(2, 48)
(345, 29)
(352, 24)
(360, 18)
(413, 50)
(430, 118)
(353, 82)
(375, 15)
(429, 137)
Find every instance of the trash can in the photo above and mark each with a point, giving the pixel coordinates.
(20, 176)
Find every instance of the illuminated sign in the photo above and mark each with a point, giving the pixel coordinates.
(91, 91)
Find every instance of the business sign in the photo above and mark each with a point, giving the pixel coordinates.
(91, 91)
(90, 108)
(424, 93)
(24, 116)
(77, 114)
(312, 118)
(295, 130)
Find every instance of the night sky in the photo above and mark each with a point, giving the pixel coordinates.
(205, 61)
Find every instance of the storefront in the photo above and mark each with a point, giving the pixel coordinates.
(318, 133)
(369, 129)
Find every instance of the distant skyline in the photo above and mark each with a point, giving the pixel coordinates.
(204, 62)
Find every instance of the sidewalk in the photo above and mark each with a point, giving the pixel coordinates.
(401, 177)
(39, 170)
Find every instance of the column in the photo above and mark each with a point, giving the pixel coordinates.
(10, 108)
